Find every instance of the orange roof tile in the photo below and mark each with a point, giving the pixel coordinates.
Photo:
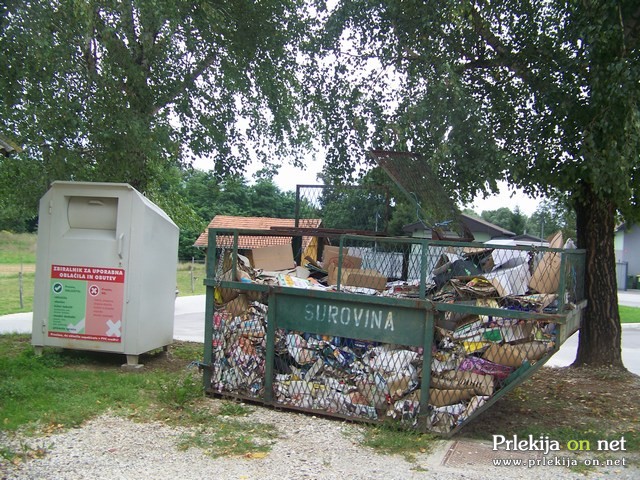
(255, 223)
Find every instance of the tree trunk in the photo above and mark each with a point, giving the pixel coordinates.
(600, 333)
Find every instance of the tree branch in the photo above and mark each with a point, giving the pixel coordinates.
(630, 24)
(89, 50)
(188, 81)
(128, 26)
(504, 56)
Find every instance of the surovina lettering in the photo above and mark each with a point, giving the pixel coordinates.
(361, 317)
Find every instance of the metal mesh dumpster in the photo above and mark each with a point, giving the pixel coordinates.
(424, 333)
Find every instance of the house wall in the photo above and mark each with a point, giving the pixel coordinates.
(481, 237)
(618, 245)
(631, 250)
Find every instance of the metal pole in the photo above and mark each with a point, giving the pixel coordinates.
(296, 213)
(21, 288)
(193, 284)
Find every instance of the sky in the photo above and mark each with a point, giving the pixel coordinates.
(289, 177)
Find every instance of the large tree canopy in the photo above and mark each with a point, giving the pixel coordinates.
(122, 90)
(544, 94)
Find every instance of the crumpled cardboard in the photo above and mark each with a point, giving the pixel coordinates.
(238, 306)
(474, 287)
(507, 355)
(400, 383)
(546, 276)
(442, 422)
(440, 398)
(481, 384)
(224, 295)
(533, 351)
(473, 405)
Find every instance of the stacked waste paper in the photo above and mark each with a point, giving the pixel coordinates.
(473, 355)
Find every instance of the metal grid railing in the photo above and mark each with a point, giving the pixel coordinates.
(347, 207)
(423, 185)
(452, 271)
(421, 332)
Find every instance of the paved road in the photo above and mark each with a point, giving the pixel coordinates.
(189, 326)
(630, 339)
(629, 298)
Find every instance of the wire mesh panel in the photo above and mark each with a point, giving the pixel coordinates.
(343, 376)
(348, 356)
(238, 324)
(239, 350)
(425, 333)
(347, 207)
(476, 355)
(420, 183)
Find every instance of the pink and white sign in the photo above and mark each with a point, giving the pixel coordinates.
(86, 303)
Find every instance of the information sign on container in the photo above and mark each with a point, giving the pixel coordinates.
(86, 303)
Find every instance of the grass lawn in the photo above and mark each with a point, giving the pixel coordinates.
(629, 314)
(61, 389)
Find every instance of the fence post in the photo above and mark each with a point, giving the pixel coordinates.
(21, 287)
(193, 287)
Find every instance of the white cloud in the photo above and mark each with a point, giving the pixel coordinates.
(507, 197)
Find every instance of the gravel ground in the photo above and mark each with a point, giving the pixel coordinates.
(111, 447)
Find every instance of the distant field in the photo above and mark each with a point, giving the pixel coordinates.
(16, 248)
(185, 277)
(17, 254)
(187, 284)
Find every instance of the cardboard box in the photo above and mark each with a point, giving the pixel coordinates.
(273, 258)
(366, 278)
(546, 277)
(329, 253)
(348, 263)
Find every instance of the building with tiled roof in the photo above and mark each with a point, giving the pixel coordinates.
(266, 224)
